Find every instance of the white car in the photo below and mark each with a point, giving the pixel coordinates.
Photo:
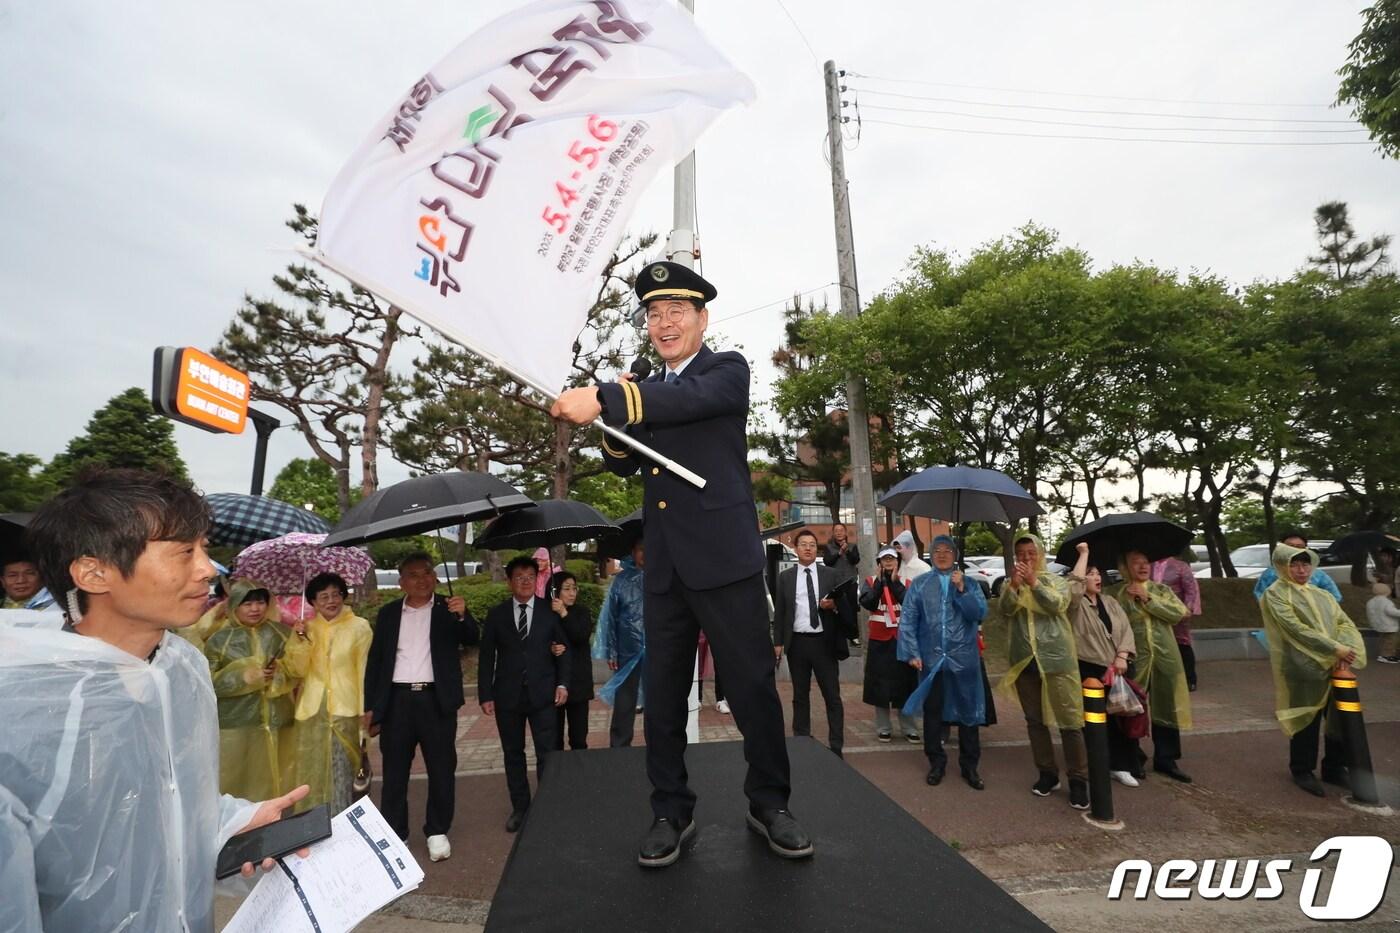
(1253, 559)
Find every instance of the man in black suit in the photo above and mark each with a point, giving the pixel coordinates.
(413, 689)
(807, 629)
(695, 412)
(522, 680)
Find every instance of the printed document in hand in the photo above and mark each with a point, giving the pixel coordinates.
(360, 868)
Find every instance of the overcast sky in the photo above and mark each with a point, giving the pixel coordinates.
(150, 152)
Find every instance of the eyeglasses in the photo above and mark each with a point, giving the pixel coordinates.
(669, 311)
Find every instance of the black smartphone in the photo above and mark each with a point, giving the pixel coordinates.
(274, 840)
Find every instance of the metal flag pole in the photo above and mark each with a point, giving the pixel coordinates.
(398, 301)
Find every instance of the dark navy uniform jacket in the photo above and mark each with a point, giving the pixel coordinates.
(708, 537)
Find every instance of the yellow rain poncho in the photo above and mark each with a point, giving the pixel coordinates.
(331, 662)
(1157, 667)
(1040, 631)
(255, 715)
(1305, 626)
(215, 618)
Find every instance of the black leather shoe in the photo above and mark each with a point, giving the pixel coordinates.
(1173, 772)
(1341, 778)
(515, 821)
(935, 775)
(973, 781)
(785, 837)
(1309, 782)
(662, 844)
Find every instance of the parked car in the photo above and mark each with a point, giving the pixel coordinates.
(449, 570)
(1251, 561)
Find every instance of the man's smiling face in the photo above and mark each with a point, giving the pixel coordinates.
(676, 327)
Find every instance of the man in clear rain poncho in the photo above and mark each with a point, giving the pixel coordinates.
(1154, 611)
(941, 614)
(1309, 638)
(1043, 670)
(110, 812)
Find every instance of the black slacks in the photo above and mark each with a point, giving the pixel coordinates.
(511, 725)
(735, 622)
(574, 716)
(1302, 747)
(414, 720)
(624, 717)
(1188, 661)
(969, 739)
(810, 655)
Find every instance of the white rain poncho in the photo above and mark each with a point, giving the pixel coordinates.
(110, 813)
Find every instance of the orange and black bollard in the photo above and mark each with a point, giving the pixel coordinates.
(1346, 705)
(1096, 743)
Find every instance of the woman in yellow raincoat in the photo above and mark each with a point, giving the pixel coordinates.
(1309, 638)
(329, 652)
(1153, 609)
(253, 690)
(1044, 669)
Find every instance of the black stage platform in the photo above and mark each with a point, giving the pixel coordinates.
(574, 865)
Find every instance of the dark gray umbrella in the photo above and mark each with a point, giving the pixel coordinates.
(1358, 544)
(550, 522)
(962, 494)
(424, 504)
(12, 525)
(241, 520)
(1112, 536)
(619, 543)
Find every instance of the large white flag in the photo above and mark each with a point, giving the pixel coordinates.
(488, 201)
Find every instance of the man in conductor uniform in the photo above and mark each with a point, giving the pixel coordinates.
(695, 411)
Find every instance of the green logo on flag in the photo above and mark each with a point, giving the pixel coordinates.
(477, 121)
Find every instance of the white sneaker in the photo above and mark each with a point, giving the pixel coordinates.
(723, 706)
(439, 848)
(1125, 778)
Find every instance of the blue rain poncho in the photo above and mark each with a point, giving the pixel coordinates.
(621, 635)
(939, 626)
(110, 813)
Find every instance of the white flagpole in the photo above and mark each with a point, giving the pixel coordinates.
(407, 307)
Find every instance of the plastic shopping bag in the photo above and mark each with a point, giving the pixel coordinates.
(1121, 699)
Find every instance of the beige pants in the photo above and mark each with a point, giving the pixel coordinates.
(1028, 690)
(1390, 644)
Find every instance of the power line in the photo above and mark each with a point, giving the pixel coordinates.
(1145, 100)
(1105, 126)
(1109, 113)
(1121, 139)
(772, 303)
(810, 51)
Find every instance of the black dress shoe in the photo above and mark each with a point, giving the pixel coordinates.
(1309, 782)
(935, 775)
(1341, 778)
(662, 844)
(515, 821)
(1173, 772)
(785, 837)
(973, 781)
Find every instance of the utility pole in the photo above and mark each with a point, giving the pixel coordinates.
(857, 419)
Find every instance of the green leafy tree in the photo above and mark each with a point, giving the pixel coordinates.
(607, 492)
(23, 485)
(322, 355)
(1371, 75)
(126, 432)
(308, 481)
(1349, 259)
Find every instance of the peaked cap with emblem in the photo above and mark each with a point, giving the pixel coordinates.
(672, 280)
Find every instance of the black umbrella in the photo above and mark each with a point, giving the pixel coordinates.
(550, 522)
(243, 520)
(1112, 536)
(12, 526)
(619, 543)
(962, 494)
(1358, 544)
(424, 504)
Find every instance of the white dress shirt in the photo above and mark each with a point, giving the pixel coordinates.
(802, 622)
(413, 660)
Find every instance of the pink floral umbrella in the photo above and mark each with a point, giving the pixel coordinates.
(286, 564)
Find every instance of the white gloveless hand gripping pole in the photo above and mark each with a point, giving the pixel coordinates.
(407, 307)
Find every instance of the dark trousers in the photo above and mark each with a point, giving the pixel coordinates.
(414, 720)
(1188, 661)
(969, 740)
(1166, 747)
(624, 717)
(810, 655)
(574, 715)
(1302, 748)
(735, 622)
(1122, 751)
(511, 724)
